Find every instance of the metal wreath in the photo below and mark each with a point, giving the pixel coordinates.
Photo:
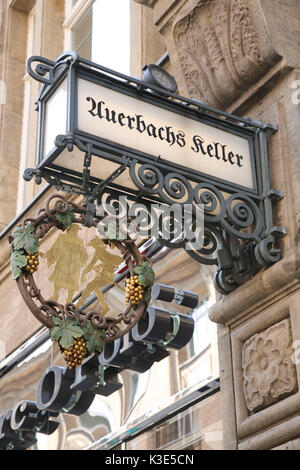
(46, 310)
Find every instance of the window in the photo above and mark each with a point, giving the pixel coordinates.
(201, 338)
(97, 33)
(200, 423)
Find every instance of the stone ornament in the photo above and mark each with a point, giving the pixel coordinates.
(221, 49)
(267, 368)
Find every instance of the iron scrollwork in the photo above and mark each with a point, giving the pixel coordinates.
(235, 237)
(46, 70)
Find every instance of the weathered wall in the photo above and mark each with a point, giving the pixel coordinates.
(13, 29)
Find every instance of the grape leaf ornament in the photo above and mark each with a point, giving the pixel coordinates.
(145, 274)
(24, 239)
(94, 338)
(64, 331)
(65, 218)
(18, 261)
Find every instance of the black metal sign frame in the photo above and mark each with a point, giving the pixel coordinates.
(240, 236)
(109, 150)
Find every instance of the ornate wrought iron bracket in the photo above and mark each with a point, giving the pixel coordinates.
(240, 238)
(46, 71)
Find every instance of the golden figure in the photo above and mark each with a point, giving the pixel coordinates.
(102, 263)
(69, 255)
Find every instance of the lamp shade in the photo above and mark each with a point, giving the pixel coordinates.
(92, 118)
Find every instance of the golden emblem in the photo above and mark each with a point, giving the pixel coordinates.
(103, 264)
(69, 256)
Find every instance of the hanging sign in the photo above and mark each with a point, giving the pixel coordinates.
(132, 122)
(80, 333)
(117, 115)
(129, 121)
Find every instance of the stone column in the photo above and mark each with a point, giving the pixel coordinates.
(242, 56)
(13, 57)
(13, 30)
(147, 45)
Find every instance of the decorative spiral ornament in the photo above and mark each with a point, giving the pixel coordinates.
(210, 240)
(212, 200)
(149, 179)
(266, 253)
(225, 282)
(244, 214)
(114, 206)
(178, 188)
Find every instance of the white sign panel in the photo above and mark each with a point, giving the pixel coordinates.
(147, 128)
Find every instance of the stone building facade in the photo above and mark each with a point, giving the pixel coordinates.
(239, 56)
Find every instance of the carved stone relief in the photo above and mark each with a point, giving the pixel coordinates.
(222, 47)
(268, 371)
